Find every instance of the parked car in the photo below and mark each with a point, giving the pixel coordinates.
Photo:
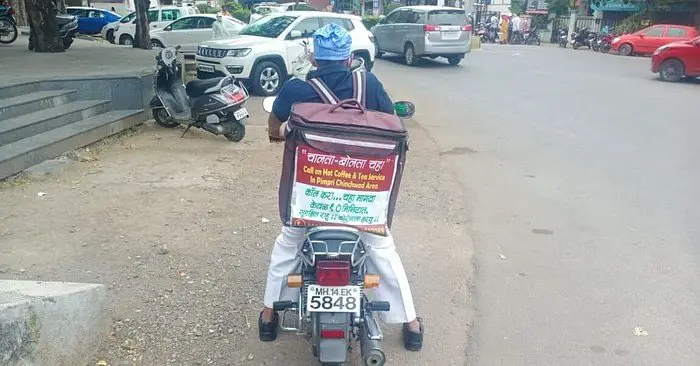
(92, 20)
(266, 52)
(188, 32)
(677, 60)
(157, 19)
(107, 32)
(647, 40)
(425, 31)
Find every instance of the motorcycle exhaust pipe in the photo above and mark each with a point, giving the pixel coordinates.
(372, 353)
(215, 128)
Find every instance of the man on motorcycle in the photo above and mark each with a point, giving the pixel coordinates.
(332, 57)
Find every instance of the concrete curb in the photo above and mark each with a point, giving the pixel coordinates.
(50, 323)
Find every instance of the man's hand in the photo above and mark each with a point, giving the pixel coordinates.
(275, 128)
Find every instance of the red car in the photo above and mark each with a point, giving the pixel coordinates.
(649, 39)
(676, 60)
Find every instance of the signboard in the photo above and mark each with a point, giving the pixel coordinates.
(537, 7)
(332, 189)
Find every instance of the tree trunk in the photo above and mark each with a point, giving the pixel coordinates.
(20, 12)
(142, 37)
(41, 15)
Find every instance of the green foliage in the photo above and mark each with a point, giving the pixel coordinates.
(388, 8)
(370, 21)
(206, 9)
(238, 11)
(630, 24)
(540, 21)
(518, 6)
(559, 7)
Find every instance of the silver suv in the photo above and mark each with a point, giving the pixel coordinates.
(425, 31)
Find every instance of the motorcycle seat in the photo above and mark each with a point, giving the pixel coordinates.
(196, 88)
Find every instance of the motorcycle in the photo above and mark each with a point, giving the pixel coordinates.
(8, 24)
(333, 261)
(563, 40)
(581, 38)
(67, 29)
(605, 45)
(214, 105)
(532, 36)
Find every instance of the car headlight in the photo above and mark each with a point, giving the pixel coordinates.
(660, 49)
(239, 52)
(616, 39)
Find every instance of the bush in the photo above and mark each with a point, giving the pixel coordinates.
(238, 11)
(370, 21)
(206, 9)
(630, 24)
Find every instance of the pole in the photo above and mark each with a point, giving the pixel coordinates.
(572, 24)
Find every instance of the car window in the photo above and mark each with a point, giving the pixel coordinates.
(170, 14)
(95, 14)
(654, 32)
(412, 16)
(676, 32)
(269, 26)
(80, 13)
(345, 23)
(307, 27)
(447, 17)
(204, 22)
(152, 16)
(184, 23)
(128, 18)
(392, 17)
(402, 17)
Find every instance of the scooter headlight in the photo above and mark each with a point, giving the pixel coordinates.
(239, 52)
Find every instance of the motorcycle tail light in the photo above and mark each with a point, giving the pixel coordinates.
(467, 28)
(333, 273)
(236, 95)
(333, 333)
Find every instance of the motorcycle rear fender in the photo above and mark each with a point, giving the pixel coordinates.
(334, 350)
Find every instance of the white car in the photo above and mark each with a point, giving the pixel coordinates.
(157, 19)
(267, 52)
(188, 32)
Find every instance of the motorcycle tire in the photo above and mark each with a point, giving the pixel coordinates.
(14, 37)
(605, 48)
(237, 134)
(576, 45)
(163, 118)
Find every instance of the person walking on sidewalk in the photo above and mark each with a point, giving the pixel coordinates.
(332, 57)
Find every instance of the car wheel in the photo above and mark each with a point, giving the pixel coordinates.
(409, 55)
(156, 44)
(626, 49)
(377, 52)
(672, 70)
(110, 36)
(126, 40)
(454, 60)
(267, 79)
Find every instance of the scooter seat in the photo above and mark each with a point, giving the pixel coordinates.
(196, 88)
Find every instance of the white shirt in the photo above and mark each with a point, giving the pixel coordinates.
(219, 30)
(516, 23)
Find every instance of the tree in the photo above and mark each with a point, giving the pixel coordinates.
(41, 15)
(142, 37)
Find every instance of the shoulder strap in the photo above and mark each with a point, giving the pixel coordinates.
(323, 91)
(359, 86)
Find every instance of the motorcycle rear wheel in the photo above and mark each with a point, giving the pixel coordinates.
(238, 132)
(13, 30)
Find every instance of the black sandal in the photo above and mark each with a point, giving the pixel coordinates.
(268, 331)
(413, 341)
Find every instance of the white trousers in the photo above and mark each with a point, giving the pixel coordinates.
(383, 260)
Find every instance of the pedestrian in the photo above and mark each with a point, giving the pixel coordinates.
(504, 28)
(113, 10)
(516, 35)
(224, 12)
(218, 28)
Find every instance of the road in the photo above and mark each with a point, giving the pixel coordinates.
(581, 182)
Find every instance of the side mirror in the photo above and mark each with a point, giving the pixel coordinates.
(404, 109)
(267, 104)
(295, 34)
(168, 28)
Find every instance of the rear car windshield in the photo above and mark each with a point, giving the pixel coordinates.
(447, 17)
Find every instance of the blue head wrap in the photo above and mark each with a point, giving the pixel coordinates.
(332, 43)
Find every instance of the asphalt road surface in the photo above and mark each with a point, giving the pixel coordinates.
(582, 182)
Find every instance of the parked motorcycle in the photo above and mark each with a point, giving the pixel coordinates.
(582, 38)
(214, 105)
(67, 29)
(532, 36)
(332, 309)
(605, 45)
(8, 24)
(563, 40)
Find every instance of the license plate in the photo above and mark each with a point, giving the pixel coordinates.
(240, 114)
(205, 68)
(326, 299)
(450, 36)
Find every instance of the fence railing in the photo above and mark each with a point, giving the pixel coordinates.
(593, 24)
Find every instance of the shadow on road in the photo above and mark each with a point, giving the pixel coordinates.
(424, 63)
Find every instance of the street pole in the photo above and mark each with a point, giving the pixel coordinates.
(572, 24)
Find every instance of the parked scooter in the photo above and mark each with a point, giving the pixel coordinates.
(582, 38)
(532, 36)
(8, 24)
(563, 40)
(214, 105)
(333, 261)
(67, 29)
